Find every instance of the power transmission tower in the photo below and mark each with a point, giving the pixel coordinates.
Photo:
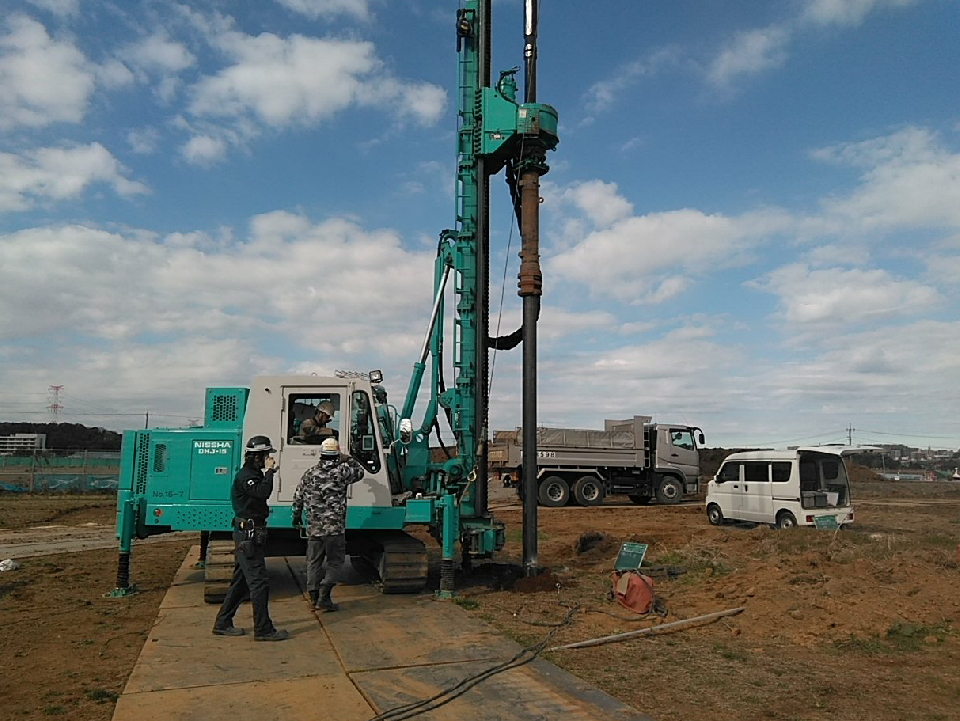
(55, 406)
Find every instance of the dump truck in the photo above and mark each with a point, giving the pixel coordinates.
(634, 457)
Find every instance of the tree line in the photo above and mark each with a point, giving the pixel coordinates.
(64, 436)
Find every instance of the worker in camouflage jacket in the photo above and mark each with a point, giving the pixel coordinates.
(323, 492)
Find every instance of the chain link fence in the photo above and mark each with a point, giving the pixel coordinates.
(60, 471)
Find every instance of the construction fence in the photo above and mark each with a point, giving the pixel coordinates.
(59, 471)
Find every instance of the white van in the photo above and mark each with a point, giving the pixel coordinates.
(784, 488)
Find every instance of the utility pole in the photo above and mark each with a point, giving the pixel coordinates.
(850, 430)
(55, 407)
(146, 420)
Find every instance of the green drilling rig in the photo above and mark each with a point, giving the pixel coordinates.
(179, 479)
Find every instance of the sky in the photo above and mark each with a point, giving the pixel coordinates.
(751, 223)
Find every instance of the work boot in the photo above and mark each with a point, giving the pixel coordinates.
(325, 603)
(274, 635)
(314, 596)
(228, 631)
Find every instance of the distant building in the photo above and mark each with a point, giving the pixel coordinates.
(23, 442)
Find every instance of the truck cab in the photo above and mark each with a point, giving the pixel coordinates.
(678, 453)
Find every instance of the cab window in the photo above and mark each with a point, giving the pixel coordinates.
(682, 438)
(363, 437)
(305, 425)
(729, 472)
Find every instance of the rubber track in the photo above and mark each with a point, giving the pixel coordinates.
(398, 559)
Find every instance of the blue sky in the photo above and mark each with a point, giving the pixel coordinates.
(751, 223)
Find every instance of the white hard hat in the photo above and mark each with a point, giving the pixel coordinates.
(330, 447)
(326, 407)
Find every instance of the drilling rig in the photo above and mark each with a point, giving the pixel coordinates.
(180, 478)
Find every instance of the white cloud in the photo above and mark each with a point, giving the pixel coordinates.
(599, 201)
(60, 173)
(158, 54)
(303, 81)
(61, 8)
(844, 297)
(603, 94)
(650, 258)
(42, 80)
(143, 141)
(328, 8)
(909, 179)
(204, 149)
(846, 12)
(750, 53)
(97, 284)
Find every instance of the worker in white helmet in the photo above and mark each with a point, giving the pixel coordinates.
(323, 492)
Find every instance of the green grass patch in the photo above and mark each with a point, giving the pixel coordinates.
(101, 695)
(731, 654)
(470, 604)
(900, 638)
(696, 561)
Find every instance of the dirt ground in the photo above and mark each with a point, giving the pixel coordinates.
(66, 650)
(856, 624)
(859, 624)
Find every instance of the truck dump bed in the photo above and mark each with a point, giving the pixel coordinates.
(622, 444)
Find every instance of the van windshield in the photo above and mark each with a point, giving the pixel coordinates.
(823, 480)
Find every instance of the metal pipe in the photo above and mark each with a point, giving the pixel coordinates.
(433, 315)
(531, 310)
(530, 26)
(531, 282)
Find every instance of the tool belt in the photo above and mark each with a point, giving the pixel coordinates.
(254, 535)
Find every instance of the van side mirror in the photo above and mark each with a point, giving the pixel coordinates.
(700, 438)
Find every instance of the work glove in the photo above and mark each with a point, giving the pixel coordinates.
(271, 464)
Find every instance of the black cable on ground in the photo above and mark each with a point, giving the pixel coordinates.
(525, 656)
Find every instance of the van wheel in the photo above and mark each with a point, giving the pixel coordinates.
(588, 491)
(554, 492)
(714, 515)
(785, 519)
(670, 490)
(640, 500)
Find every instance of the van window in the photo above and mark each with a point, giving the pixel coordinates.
(809, 475)
(831, 469)
(781, 471)
(756, 472)
(729, 472)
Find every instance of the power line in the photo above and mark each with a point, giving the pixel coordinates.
(912, 435)
(833, 434)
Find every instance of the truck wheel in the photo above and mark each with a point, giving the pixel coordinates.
(714, 515)
(588, 491)
(640, 500)
(554, 492)
(670, 490)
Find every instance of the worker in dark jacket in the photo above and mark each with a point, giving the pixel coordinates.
(251, 489)
(323, 492)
